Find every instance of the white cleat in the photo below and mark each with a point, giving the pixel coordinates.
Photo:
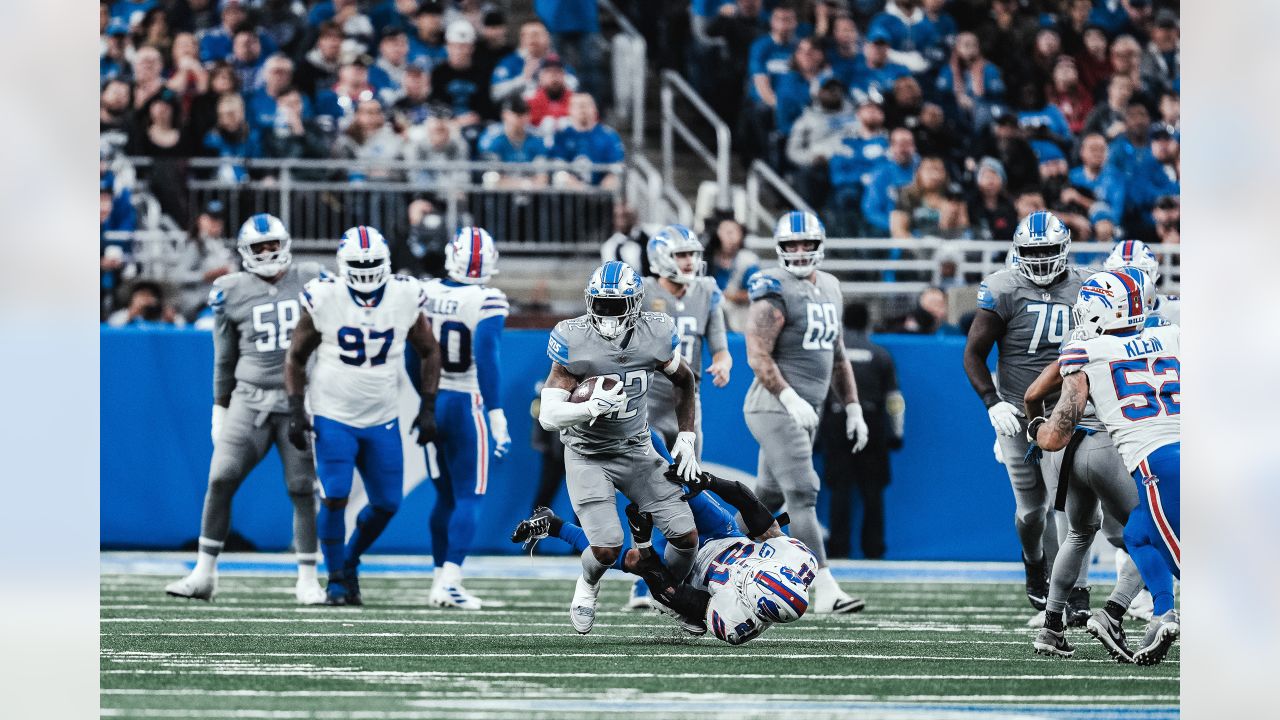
(1142, 607)
(454, 596)
(837, 603)
(1036, 621)
(640, 598)
(194, 587)
(582, 613)
(309, 592)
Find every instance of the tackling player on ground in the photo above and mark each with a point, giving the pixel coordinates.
(254, 314)
(1132, 374)
(795, 346)
(467, 318)
(359, 325)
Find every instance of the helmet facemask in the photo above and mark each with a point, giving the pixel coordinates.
(1042, 262)
(798, 260)
(364, 275)
(267, 256)
(613, 316)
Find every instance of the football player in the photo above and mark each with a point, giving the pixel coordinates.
(1025, 309)
(467, 318)
(254, 314)
(740, 584)
(1135, 253)
(795, 346)
(1132, 374)
(359, 325)
(607, 440)
(693, 302)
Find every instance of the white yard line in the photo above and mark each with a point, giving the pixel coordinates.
(702, 697)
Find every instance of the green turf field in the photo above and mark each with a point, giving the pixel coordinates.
(921, 650)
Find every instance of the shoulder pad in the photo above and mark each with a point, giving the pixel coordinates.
(1074, 357)
(313, 289)
(218, 296)
(763, 286)
(986, 299)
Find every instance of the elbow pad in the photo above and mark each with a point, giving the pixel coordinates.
(555, 412)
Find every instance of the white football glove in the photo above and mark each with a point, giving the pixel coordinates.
(685, 455)
(799, 409)
(215, 423)
(1004, 418)
(606, 401)
(998, 452)
(498, 426)
(855, 427)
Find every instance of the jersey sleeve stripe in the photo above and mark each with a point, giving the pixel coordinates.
(558, 348)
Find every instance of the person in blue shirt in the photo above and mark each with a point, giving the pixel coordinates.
(516, 74)
(511, 141)
(1094, 174)
(387, 72)
(770, 56)
(844, 48)
(217, 43)
(969, 82)
(575, 33)
(427, 42)
(233, 139)
(911, 34)
(877, 72)
(1045, 126)
(1127, 150)
(860, 154)
(126, 10)
(1157, 174)
(277, 77)
(114, 62)
(587, 139)
(896, 170)
(795, 89)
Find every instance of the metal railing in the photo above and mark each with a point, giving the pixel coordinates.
(886, 266)
(759, 218)
(657, 203)
(672, 125)
(629, 61)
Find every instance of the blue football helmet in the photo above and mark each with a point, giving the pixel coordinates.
(1041, 244)
(613, 299)
(259, 230)
(799, 226)
(669, 242)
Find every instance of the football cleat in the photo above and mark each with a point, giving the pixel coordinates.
(1053, 643)
(309, 592)
(836, 603)
(1110, 632)
(194, 587)
(582, 611)
(1078, 607)
(351, 582)
(693, 626)
(1037, 582)
(1161, 632)
(1143, 607)
(640, 598)
(454, 596)
(335, 594)
(535, 528)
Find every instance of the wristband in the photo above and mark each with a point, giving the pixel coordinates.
(990, 399)
(1034, 426)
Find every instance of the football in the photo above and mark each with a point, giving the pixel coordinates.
(582, 393)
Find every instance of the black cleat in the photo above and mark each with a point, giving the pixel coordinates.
(1037, 582)
(352, 584)
(535, 528)
(1078, 607)
(335, 594)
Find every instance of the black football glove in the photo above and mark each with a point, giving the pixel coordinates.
(702, 481)
(425, 424)
(299, 424)
(641, 525)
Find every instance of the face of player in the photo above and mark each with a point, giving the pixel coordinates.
(266, 246)
(687, 262)
(796, 246)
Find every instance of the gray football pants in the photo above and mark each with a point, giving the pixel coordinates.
(1033, 495)
(247, 435)
(1099, 486)
(785, 474)
(636, 471)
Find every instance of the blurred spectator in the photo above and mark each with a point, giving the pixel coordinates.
(203, 114)
(550, 102)
(421, 253)
(769, 60)
(1126, 57)
(903, 106)
(844, 50)
(1107, 118)
(1170, 109)
(1167, 215)
(1092, 60)
(232, 139)
(160, 136)
(629, 242)
(738, 26)
(1006, 34)
(943, 28)
(1157, 174)
(575, 33)
(1136, 19)
(877, 70)
(114, 61)
(217, 43)
(461, 85)
(427, 40)
(336, 106)
(1004, 141)
(203, 258)
(854, 161)
(919, 209)
(512, 141)
(115, 117)
(1071, 25)
(816, 136)
(346, 14)
(935, 135)
(492, 45)
(1094, 174)
(147, 79)
(587, 139)
(145, 308)
(516, 73)
(387, 73)
(188, 76)
(794, 90)
(969, 82)
(131, 11)
(386, 14)
(1069, 96)
(247, 58)
(1160, 65)
(113, 254)
(949, 275)
(153, 31)
(1043, 124)
(414, 103)
(1103, 223)
(318, 69)
(1027, 202)
(1073, 206)
(283, 21)
(732, 266)
(437, 140)
(911, 35)
(193, 16)
(1127, 150)
(293, 135)
(277, 77)
(929, 317)
(990, 210)
(369, 139)
(895, 171)
(868, 470)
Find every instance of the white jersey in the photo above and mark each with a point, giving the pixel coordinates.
(1135, 385)
(360, 361)
(454, 311)
(1169, 308)
(724, 567)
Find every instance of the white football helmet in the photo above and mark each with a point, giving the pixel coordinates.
(669, 242)
(1041, 244)
(364, 259)
(258, 230)
(1111, 300)
(613, 299)
(472, 256)
(1134, 253)
(794, 226)
(776, 592)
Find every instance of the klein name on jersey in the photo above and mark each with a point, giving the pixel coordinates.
(442, 306)
(1143, 346)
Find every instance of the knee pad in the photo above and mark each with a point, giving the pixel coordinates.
(688, 541)
(334, 503)
(804, 495)
(382, 512)
(606, 555)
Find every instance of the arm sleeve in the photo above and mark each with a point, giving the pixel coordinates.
(555, 412)
(755, 515)
(488, 340)
(877, 202)
(755, 57)
(717, 338)
(226, 345)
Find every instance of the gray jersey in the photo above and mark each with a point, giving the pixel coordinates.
(1036, 321)
(698, 317)
(253, 322)
(579, 348)
(805, 349)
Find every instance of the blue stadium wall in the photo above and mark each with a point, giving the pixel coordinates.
(949, 499)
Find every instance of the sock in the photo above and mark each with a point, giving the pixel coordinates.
(307, 567)
(332, 528)
(369, 525)
(452, 574)
(462, 527)
(1115, 610)
(679, 560)
(1053, 620)
(573, 535)
(207, 558)
(824, 581)
(304, 523)
(592, 569)
(556, 523)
